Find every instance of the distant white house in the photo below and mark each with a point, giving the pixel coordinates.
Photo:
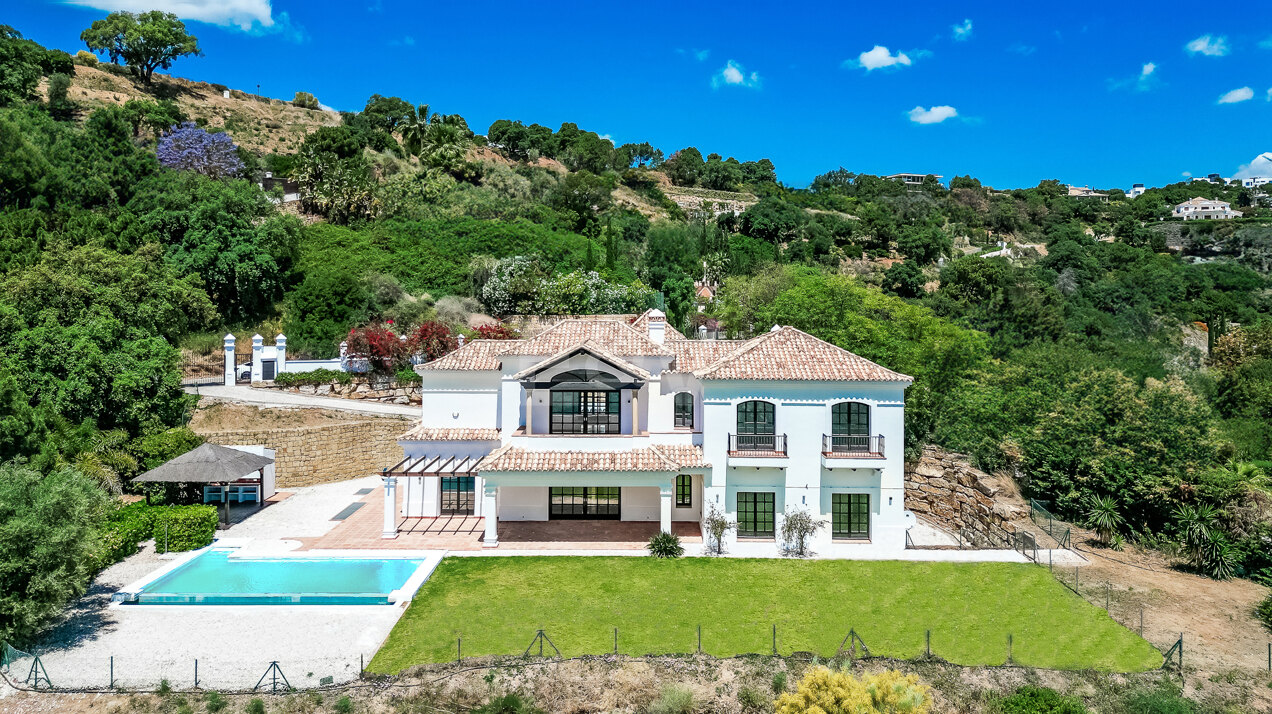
(1136, 191)
(1087, 192)
(601, 418)
(1255, 181)
(913, 180)
(1195, 209)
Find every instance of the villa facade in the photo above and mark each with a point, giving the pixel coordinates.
(609, 417)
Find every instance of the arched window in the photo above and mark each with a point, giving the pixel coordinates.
(850, 419)
(584, 401)
(756, 417)
(684, 410)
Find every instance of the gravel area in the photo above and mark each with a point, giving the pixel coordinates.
(276, 398)
(305, 514)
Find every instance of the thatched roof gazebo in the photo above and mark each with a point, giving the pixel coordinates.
(210, 464)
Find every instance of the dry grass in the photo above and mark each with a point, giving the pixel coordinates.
(226, 416)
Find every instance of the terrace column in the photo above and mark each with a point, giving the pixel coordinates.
(489, 512)
(229, 360)
(664, 508)
(390, 508)
(529, 412)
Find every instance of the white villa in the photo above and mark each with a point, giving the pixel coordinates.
(606, 417)
(1204, 208)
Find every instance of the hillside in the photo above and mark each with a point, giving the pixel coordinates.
(257, 123)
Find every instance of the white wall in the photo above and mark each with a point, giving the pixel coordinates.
(310, 365)
(523, 503)
(639, 503)
(455, 399)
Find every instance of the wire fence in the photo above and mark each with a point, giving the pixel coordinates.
(1054, 527)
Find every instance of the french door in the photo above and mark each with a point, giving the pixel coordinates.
(755, 514)
(599, 502)
(457, 494)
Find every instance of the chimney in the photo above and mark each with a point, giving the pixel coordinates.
(460, 340)
(657, 326)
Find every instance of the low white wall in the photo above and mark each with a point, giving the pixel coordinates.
(294, 366)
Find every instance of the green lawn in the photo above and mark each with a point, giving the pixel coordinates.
(496, 604)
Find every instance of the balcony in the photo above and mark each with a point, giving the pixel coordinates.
(854, 446)
(757, 445)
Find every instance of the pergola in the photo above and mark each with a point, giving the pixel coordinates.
(211, 465)
(432, 465)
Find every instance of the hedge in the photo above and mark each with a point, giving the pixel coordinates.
(125, 529)
(180, 528)
(316, 377)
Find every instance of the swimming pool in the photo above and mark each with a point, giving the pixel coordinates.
(220, 577)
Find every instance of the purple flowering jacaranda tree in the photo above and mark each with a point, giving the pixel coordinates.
(189, 148)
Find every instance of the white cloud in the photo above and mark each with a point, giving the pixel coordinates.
(1265, 44)
(935, 115)
(735, 75)
(1270, 94)
(878, 58)
(1237, 95)
(1261, 166)
(251, 16)
(1145, 80)
(702, 55)
(1022, 49)
(1186, 174)
(963, 30)
(1209, 46)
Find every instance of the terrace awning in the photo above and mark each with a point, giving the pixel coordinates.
(210, 464)
(434, 465)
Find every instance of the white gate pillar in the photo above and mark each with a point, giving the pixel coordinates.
(258, 356)
(280, 364)
(229, 361)
(390, 508)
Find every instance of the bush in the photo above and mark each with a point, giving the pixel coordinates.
(407, 375)
(318, 376)
(344, 705)
(752, 700)
(665, 545)
(1264, 612)
(125, 528)
(86, 58)
(673, 699)
(779, 682)
(511, 703)
(798, 525)
(822, 690)
(215, 702)
(256, 706)
(178, 528)
(305, 100)
(1040, 700)
(1160, 701)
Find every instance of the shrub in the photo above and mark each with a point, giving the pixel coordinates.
(1264, 612)
(86, 58)
(344, 705)
(665, 545)
(164, 687)
(1040, 700)
(178, 528)
(779, 682)
(317, 376)
(215, 702)
(1159, 701)
(125, 528)
(798, 525)
(673, 699)
(752, 700)
(889, 692)
(407, 375)
(431, 340)
(305, 100)
(717, 526)
(511, 703)
(257, 706)
(383, 351)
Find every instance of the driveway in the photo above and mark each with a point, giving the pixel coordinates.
(276, 398)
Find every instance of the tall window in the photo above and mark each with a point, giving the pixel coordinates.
(577, 412)
(755, 417)
(850, 419)
(755, 514)
(684, 410)
(684, 491)
(584, 502)
(850, 515)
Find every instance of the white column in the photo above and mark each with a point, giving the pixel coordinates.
(489, 512)
(280, 343)
(258, 355)
(664, 508)
(390, 508)
(229, 360)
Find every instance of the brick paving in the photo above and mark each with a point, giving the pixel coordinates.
(362, 530)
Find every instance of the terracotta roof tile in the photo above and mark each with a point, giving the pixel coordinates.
(618, 336)
(587, 346)
(652, 458)
(432, 433)
(641, 323)
(790, 354)
(696, 354)
(476, 354)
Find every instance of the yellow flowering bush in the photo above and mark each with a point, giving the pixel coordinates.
(823, 691)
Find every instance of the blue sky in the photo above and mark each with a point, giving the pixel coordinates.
(1100, 94)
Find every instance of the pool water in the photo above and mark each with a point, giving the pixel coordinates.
(214, 578)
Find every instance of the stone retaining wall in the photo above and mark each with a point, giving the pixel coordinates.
(946, 490)
(388, 391)
(310, 455)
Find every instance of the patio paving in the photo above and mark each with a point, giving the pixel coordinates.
(464, 533)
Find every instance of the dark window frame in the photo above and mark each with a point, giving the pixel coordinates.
(756, 509)
(684, 491)
(458, 494)
(757, 417)
(850, 419)
(850, 516)
(589, 412)
(683, 411)
(585, 502)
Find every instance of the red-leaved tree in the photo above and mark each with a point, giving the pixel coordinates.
(498, 331)
(432, 340)
(383, 350)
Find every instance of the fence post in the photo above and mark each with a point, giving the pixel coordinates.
(112, 668)
(459, 649)
(775, 638)
(699, 639)
(1075, 580)
(929, 643)
(196, 674)
(1008, 648)
(615, 640)
(1270, 656)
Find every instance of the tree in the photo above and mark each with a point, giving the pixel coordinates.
(823, 691)
(798, 525)
(305, 100)
(684, 166)
(157, 117)
(189, 148)
(904, 279)
(387, 112)
(431, 340)
(145, 41)
(717, 526)
(59, 105)
(49, 544)
(1103, 517)
(322, 308)
(19, 67)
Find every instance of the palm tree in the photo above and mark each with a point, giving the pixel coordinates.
(414, 127)
(1103, 517)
